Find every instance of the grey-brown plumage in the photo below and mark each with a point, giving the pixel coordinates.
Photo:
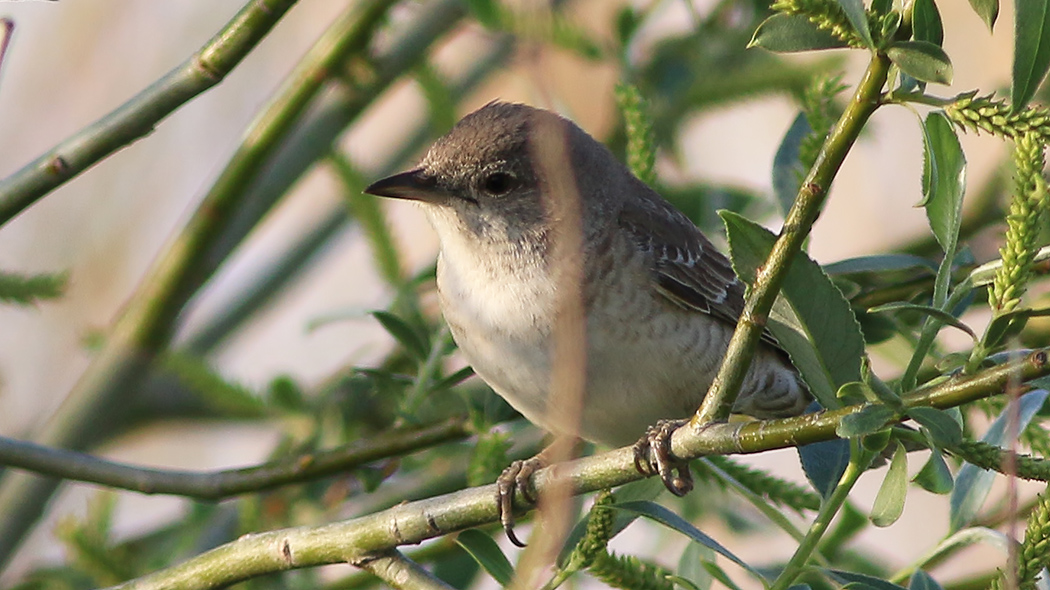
(661, 302)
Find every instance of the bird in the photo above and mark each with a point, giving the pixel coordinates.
(660, 302)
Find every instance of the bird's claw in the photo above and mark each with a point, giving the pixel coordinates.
(518, 476)
(652, 456)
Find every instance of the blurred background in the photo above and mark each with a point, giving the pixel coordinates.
(720, 115)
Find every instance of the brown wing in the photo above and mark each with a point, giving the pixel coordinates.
(687, 269)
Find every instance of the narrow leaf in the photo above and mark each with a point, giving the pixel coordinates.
(889, 502)
(844, 577)
(943, 429)
(789, 33)
(879, 264)
(787, 166)
(944, 180)
(858, 17)
(691, 565)
(658, 513)
(935, 477)
(868, 420)
(488, 555)
(943, 316)
(973, 484)
(988, 10)
(922, 60)
(824, 463)
(1031, 49)
(404, 334)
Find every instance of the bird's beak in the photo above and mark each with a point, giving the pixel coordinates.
(414, 185)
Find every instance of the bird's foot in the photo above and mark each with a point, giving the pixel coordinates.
(652, 456)
(516, 477)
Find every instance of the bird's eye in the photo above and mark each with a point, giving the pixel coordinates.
(498, 184)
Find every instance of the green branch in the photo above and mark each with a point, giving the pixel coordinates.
(218, 485)
(718, 402)
(414, 522)
(139, 116)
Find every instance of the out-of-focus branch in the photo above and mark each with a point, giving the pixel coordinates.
(147, 324)
(138, 117)
(217, 485)
(414, 522)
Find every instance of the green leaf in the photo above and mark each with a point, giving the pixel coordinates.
(1031, 49)
(662, 515)
(844, 577)
(926, 22)
(988, 10)
(943, 316)
(920, 580)
(935, 476)
(973, 483)
(869, 420)
(965, 538)
(787, 165)
(921, 60)
(824, 463)
(405, 335)
(488, 555)
(452, 380)
(823, 338)
(691, 565)
(28, 289)
(889, 502)
(879, 264)
(643, 489)
(719, 574)
(789, 33)
(858, 17)
(944, 180)
(943, 429)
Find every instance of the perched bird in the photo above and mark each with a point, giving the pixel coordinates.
(660, 302)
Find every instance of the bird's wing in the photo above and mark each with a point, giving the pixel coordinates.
(687, 269)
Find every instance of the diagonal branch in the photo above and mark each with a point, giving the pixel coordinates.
(800, 219)
(137, 118)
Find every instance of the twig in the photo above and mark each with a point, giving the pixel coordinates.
(139, 116)
(804, 212)
(414, 522)
(400, 572)
(217, 485)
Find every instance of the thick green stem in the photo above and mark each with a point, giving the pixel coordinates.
(808, 204)
(859, 460)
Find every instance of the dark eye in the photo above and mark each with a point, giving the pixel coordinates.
(498, 184)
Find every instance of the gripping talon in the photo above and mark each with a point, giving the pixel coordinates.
(652, 455)
(518, 476)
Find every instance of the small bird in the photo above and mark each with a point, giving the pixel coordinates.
(660, 301)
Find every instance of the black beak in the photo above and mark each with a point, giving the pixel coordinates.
(414, 185)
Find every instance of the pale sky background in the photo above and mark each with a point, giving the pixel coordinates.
(72, 61)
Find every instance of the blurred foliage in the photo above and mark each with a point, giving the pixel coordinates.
(900, 300)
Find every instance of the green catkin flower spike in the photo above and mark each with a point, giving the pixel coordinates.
(988, 456)
(828, 16)
(629, 572)
(641, 148)
(990, 115)
(1035, 550)
(1024, 221)
(776, 490)
(599, 531)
